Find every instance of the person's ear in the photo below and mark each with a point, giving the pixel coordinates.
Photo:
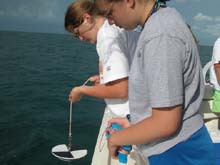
(87, 18)
(130, 3)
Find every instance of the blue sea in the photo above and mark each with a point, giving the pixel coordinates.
(37, 72)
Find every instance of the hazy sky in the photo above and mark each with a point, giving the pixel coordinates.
(48, 16)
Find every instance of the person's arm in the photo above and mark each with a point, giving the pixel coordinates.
(163, 123)
(114, 89)
(217, 71)
(95, 79)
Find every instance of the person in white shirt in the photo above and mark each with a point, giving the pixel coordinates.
(115, 48)
(215, 76)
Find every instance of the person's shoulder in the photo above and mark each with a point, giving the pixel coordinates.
(168, 16)
(108, 30)
(168, 12)
(112, 28)
(167, 21)
(217, 42)
(216, 47)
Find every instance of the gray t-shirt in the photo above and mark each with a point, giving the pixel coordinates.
(166, 71)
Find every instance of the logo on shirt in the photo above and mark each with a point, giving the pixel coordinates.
(108, 68)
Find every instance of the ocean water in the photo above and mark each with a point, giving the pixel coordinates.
(37, 72)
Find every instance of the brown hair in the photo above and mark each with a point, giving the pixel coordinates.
(75, 11)
(97, 2)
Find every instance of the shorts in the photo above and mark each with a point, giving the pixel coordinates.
(196, 150)
(216, 102)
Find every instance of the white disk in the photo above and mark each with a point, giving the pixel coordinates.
(61, 151)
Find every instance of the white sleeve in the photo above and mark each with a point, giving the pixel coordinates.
(115, 61)
(116, 67)
(216, 52)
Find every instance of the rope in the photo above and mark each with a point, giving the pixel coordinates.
(70, 127)
(70, 121)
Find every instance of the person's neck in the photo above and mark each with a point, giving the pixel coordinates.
(146, 12)
(99, 21)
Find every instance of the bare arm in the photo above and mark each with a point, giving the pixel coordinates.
(164, 122)
(217, 72)
(114, 89)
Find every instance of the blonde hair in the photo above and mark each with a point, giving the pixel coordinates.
(75, 11)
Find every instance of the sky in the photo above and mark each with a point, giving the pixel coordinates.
(47, 16)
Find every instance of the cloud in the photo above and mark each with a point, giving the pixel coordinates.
(184, 1)
(217, 19)
(202, 17)
(25, 12)
(181, 1)
(213, 29)
(33, 9)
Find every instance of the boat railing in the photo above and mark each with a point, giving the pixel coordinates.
(206, 106)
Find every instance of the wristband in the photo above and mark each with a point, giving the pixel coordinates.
(128, 116)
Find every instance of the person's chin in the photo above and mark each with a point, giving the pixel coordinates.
(125, 26)
(89, 41)
(121, 26)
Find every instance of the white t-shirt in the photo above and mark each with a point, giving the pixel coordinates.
(215, 60)
(115, 47)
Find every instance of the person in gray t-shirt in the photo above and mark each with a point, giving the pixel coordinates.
(165, 86)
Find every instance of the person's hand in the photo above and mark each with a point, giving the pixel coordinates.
(113, 149)
(123, 122)
(95, 79)
(75, 94)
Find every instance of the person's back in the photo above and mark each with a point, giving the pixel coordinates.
(114, 65)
